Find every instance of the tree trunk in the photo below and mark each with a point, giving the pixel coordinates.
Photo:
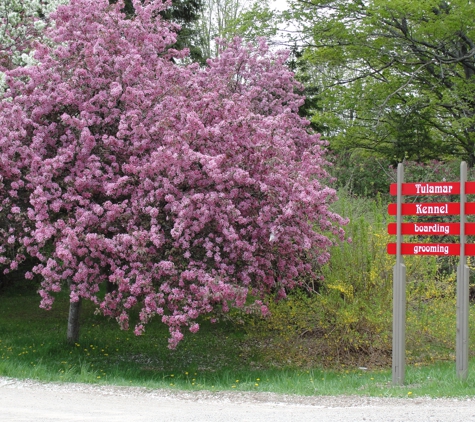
(73, 322)
(110, 287)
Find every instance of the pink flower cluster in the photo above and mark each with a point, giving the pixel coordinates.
(190, 189)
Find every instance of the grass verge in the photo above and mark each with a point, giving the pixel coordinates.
(217, 358)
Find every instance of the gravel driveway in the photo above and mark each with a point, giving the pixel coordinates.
(35, 401)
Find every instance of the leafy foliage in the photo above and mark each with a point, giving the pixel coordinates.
(368, 175)
(396, 77)
(226, 19)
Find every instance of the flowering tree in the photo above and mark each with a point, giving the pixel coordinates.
(21, 23)
(191, 190)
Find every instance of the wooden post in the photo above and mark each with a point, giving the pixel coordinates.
(399, 294)
(461, 342)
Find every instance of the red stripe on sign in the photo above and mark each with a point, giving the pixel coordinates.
(448, 208)
(444, 188)
(470, 229)
(426, 229)
(426, 249)
(432, 229)
(437, 249)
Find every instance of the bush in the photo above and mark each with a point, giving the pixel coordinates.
(361, 174)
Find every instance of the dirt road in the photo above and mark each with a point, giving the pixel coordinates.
(29, 401)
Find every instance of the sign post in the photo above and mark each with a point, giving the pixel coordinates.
(399, 293)
(461, 341)
(425, 228)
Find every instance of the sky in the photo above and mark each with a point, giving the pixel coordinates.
(279, 4)
(285, 27)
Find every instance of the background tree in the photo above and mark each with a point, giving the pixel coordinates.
(395, 77)
(185, 13)
(21, 23)
(191, 190)
(226, 19)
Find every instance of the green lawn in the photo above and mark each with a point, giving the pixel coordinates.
(219, 357)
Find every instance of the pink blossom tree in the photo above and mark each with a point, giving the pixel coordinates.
(191, 190)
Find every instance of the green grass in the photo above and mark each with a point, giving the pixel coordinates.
(217, 358)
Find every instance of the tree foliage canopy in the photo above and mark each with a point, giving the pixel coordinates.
(393, 76)
(190, 189)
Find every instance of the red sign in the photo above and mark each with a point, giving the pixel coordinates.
(426, 229)
(448, 208)
(445, 188)
(432, 229)
(431, 249)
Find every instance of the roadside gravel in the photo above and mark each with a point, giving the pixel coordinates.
(28, 401)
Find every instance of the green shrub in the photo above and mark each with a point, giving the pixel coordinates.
(361, 174)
